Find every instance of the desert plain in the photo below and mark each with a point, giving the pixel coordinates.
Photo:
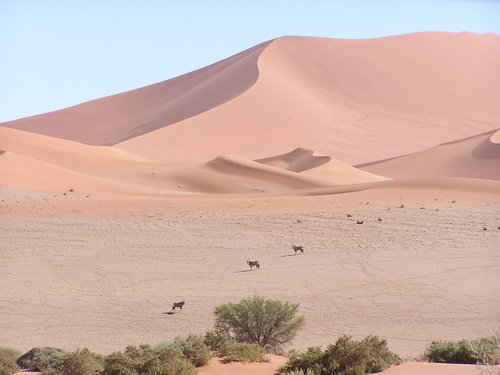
(380, 157)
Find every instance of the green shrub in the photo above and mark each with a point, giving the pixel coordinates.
(165, 359)
(82, 362)
(217, 341)
(245, 353)
(311, 359)
(484, 350)
(194, 349)
(45, 359)
(8, 364)
(345, 357)
(259, 321)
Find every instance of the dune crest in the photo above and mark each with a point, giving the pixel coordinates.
(115, 118)
(360, 100)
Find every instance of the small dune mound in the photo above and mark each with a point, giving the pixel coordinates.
(298, 160)
(234, 174)
(473, 157)
(313, 164)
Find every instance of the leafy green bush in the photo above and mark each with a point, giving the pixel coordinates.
(259, 321)
(81, 362)
(484, 350)
(45, 359)
(8, 361)
(145, 360)
(245, 353)
(194, 349)
(217, 341)
(345, 357)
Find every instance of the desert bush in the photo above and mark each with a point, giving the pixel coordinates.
(45, 359)
(243, 352)
(81, 362)
(484, 350)
(194, 349)
(8, 364)
(259, 321)
(218, 341)
(165, 359)
(345, 357)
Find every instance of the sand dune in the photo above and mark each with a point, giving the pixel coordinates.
(298, 160)
(476, 157)
(313, 164)
(58, 165)
(115, 118)
(357, 100)
(41, 163)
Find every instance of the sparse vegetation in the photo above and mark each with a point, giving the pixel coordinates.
(8, 364)
(218, 342)
(194, 349)
(345, 357)
(243, 352)
(81, 362)
(145, 360)
(45, 359)
(484, 350)
(259, 321)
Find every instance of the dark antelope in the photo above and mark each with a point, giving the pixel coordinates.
(298, 248)
(178, 304)
(253, 263)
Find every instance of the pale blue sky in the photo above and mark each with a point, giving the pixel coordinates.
(58, 53)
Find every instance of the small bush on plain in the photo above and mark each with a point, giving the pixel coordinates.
(484, 350)
(259, 321)
(243, 352)
(345, 357)
(8, 364)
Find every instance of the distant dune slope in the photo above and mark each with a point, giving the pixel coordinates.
(476, 157)
(38, 162)
(356, 100)
(112, 119)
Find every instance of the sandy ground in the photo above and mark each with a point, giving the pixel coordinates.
(74, 274)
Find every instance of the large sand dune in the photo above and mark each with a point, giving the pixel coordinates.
(356, 100)
(115, 118)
